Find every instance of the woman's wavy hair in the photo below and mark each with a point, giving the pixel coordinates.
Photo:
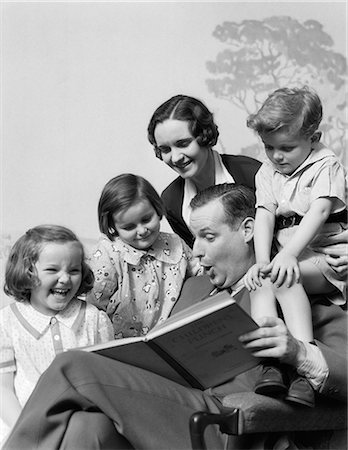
(182, 107)
(21, 274)
(122, 192)
(297, 110)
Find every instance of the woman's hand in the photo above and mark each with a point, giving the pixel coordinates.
(337, 257)
(336, 251)
(273, 340)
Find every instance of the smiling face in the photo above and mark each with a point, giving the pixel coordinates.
(179, 149)
(138, 225)
(59, 270)
(287, 151)
(224, 253)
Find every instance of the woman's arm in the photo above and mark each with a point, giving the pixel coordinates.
(10, 407)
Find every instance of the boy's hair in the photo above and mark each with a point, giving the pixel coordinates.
(237, 200)
(188, 109)
(296, 110)
(122, 192)
(21, 275)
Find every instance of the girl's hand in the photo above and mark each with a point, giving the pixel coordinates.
(252, 279)
(283, 269)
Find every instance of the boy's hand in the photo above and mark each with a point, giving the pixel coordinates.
(283, 269)
(252, 279)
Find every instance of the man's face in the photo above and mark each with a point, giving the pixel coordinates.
(224, 253)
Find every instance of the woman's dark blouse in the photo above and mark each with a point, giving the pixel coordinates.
(242, 169)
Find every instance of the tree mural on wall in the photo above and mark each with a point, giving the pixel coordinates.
(262, 55)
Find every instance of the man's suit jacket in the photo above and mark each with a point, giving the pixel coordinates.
(242, 169)
(330, 333)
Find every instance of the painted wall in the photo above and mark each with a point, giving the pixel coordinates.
(81, 80)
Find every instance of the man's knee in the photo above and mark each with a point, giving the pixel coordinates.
(92, 430)
(94, 423)
(64, 360)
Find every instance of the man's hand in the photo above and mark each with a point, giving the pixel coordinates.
(273, 340)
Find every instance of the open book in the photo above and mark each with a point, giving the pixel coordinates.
(196, 347)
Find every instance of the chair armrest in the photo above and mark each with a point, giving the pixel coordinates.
(260, 414)
(228, 423)
(249, 413)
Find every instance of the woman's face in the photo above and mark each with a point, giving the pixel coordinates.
(179, 149)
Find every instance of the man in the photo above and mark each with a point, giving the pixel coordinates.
(82, 396)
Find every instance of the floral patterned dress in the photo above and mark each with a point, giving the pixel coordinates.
(137, 288)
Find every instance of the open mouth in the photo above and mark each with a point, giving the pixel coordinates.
(60, 292)
(208, 270)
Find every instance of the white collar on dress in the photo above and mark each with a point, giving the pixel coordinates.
(167, 248)
(37, 323)
(222, 175)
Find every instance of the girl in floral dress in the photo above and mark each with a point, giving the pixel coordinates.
(139, 270)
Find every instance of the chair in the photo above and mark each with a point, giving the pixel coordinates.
(246, 414)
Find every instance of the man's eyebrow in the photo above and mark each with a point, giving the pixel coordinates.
(205, 229)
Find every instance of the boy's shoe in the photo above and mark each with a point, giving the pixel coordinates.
(301, 392)
(271, 382)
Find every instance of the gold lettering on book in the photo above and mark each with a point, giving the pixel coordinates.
(202, 331)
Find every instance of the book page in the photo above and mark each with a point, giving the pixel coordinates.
(113, 343)
(192, 313)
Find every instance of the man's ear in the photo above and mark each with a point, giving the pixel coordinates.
(316, 137)
(247, 227)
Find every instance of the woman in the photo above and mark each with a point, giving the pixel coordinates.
(183, 133)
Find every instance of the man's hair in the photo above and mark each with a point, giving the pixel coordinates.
(295, 110)
(188, 109)
(21, 275)
(237, 200)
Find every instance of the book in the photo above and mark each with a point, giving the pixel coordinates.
(195, 347)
